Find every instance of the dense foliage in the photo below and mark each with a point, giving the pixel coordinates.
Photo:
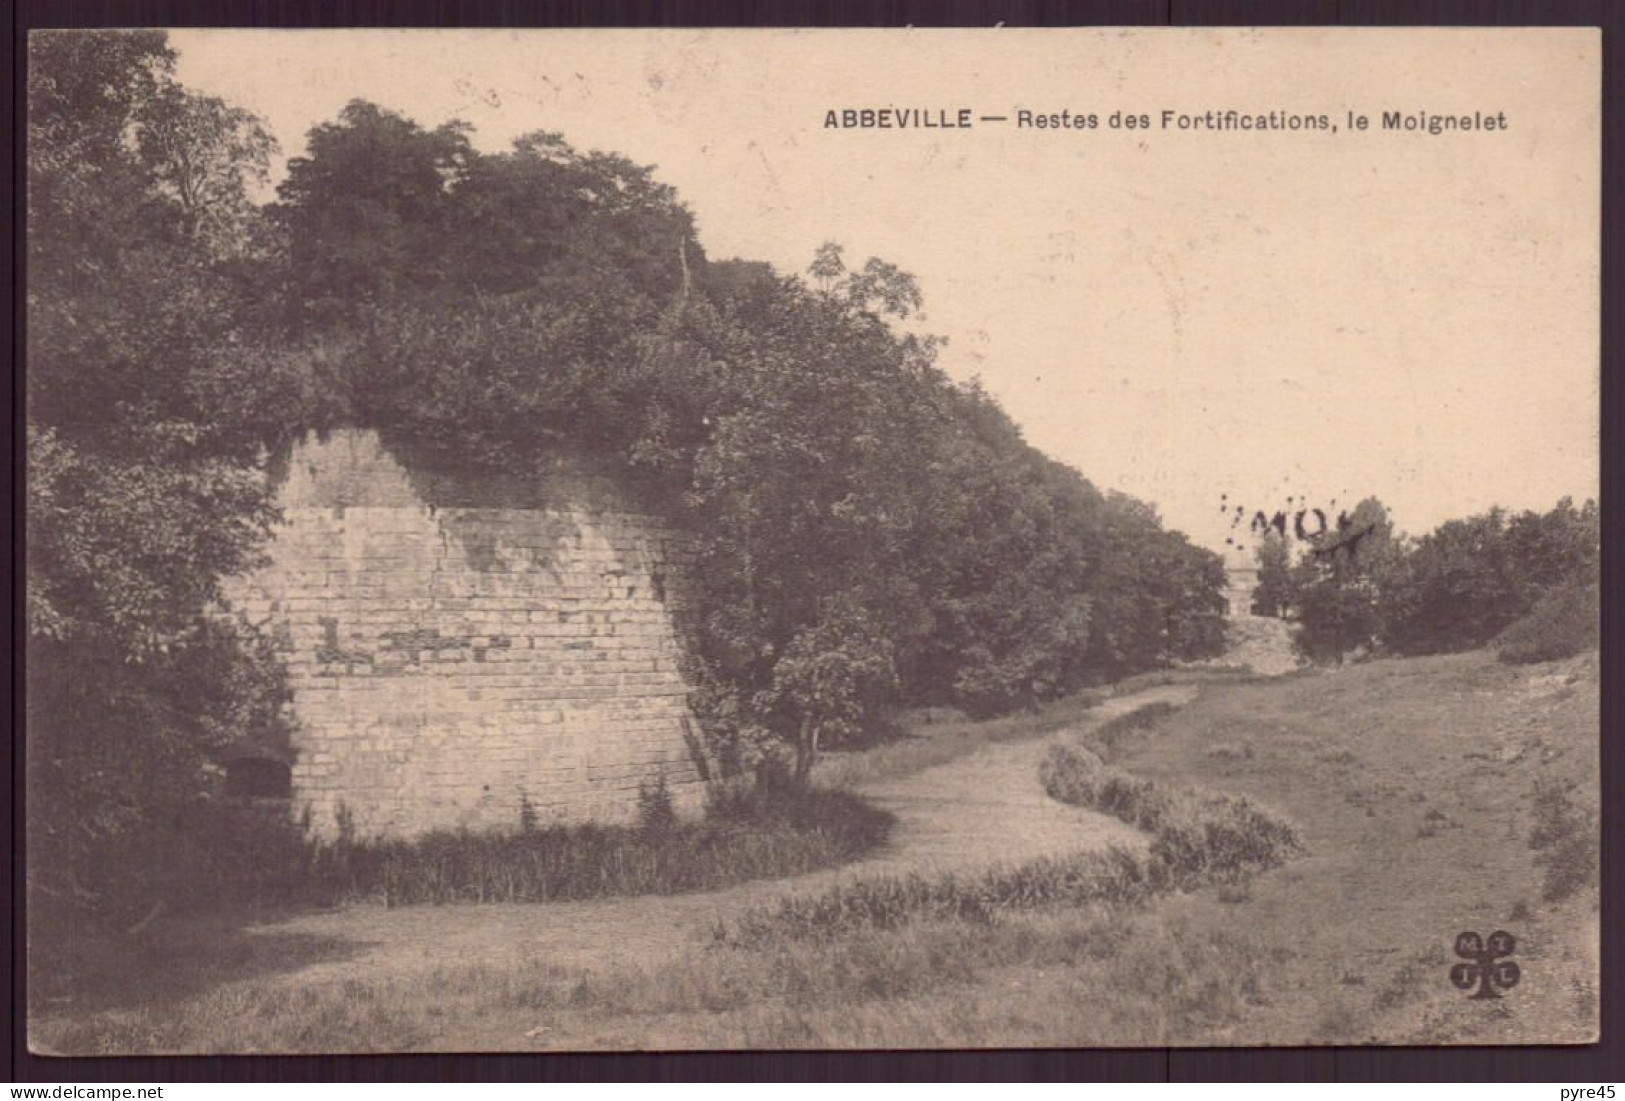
(150, 405)
(1459, 587)
(871, 532)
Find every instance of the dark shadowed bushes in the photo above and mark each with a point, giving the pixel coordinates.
(1565, 623)
(1467, 581)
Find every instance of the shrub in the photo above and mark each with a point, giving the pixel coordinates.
(1561, 625)
(657, 813)
(1196, 838)
(1195, 835)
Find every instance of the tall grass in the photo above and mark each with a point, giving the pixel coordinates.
(1198, 834)
(1196, 838)
(1087, 978)
(745, 834)
(1115, 875)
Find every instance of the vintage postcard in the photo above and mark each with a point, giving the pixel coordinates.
(745, 539)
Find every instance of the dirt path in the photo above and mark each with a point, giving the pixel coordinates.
(979, 810)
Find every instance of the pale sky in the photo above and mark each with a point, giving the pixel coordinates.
(1178, 314)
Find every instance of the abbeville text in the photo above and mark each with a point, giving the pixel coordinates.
(898, 118)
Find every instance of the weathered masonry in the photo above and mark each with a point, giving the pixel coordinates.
(470, 651)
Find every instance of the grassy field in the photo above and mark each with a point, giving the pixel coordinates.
(1430, 796)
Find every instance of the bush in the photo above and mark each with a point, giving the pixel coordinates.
(1563, 624)
(1195, 835)
(1196, 839)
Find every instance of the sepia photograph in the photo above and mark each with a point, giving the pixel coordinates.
(751, 540)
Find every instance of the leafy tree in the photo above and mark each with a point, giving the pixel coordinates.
(203, 153)
(1555, 549)
(829, 678)
(152, 400)
(1337, 584)
(365, 211)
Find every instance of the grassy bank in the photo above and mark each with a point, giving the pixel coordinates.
(935, 736)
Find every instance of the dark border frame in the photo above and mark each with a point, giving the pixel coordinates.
(1589, 1065)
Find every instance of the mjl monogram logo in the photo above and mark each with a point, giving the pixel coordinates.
(1489, 967)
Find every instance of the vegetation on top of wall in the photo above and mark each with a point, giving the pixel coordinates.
(545, 296)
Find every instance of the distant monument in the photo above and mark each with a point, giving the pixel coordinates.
(1241, 582)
